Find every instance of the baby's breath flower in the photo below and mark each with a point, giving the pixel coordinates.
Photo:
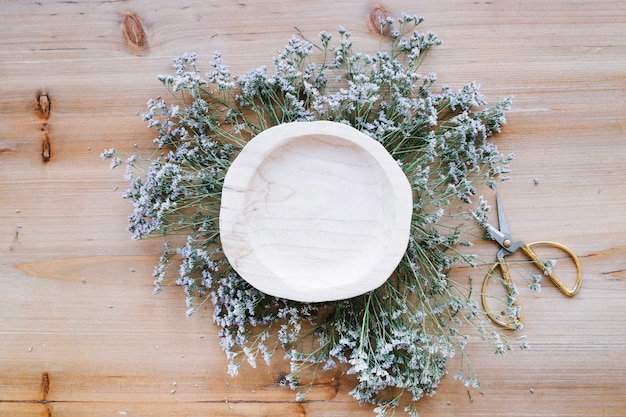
(107, 154)
(220, 75)
(115, 161)
(325, 38)
(535, 285)
(548, 266)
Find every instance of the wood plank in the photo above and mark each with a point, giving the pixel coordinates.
(82, 334)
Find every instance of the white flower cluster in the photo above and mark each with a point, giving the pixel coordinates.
(395, 339)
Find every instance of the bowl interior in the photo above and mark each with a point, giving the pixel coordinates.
(319, 211)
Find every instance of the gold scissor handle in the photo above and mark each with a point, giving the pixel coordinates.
(513, 323)
(555, 280)
(507, 282)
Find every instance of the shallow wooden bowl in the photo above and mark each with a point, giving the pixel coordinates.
(315, 211)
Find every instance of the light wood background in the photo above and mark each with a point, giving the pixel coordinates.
(81, 333)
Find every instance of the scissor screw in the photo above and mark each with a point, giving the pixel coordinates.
(506, 243)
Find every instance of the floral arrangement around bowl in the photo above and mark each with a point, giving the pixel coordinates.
(396, 339)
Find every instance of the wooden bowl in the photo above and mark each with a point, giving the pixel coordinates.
(315, 211)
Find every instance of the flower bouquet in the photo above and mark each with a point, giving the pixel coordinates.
(397, 338)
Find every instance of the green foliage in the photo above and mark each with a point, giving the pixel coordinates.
(395, 339)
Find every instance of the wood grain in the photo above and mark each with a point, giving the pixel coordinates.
(82, 334)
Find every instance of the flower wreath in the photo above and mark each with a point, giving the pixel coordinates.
(395, 339)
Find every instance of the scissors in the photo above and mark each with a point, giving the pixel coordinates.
(509, 246)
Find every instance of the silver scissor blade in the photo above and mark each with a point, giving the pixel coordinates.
(502, 222)
(495, 234)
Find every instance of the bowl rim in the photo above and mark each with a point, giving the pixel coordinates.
(234, 234)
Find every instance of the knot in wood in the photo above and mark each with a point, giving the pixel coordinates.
(134, 32)
(43, 105)
(377, 17)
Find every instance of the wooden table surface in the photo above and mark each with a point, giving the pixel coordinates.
(81, 333)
